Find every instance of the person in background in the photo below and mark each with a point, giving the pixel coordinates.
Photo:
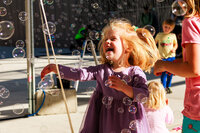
(188, 67)
(167, 45)
(157, 110)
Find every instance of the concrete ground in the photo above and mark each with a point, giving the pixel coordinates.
(13, 75)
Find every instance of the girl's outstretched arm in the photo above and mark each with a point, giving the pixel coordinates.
(188, 68)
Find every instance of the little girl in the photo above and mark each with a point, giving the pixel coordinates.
(120, 80)
(157, 111)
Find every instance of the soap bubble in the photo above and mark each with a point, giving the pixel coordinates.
(3, 11)
(52, 28)
(19, 43)
(6, 30)
(18, 52)
(23, 16)
(46, 83)
(7, 2)
(132, 109)
(150, 28)
(179, 7)
(4, 92)
(94, 35)
(18, 109)
(133, 125)
(49, 2)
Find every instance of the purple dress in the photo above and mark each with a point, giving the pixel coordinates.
(109, 110)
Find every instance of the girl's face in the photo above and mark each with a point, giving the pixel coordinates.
(113, 46)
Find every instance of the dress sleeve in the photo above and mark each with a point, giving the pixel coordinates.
(139, 82)
(169, 119)
(82, 74)
(190, 32)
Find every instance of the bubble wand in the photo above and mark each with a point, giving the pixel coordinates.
(59, 77)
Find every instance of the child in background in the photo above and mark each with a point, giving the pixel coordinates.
(157, 110)
(188, 67)
(167, 45)
(125, 53)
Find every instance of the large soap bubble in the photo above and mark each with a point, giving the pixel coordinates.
(179, 8)
(7, 29)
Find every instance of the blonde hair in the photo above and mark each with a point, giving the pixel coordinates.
(193, 8)
(157, 95)
(141, 45)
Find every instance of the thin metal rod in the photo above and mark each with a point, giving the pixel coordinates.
(30, 55)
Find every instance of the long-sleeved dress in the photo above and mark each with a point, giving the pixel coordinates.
(109, 110)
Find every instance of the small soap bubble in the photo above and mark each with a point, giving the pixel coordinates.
(142, 98)
(107, 100)
(90, 90)
(4, 92)
(19, 44)
(94, 35)
(7, 2)
(76, 53)
(3, 11)
(18, 52)
(23, 16)
(125, 131)
(132, 109)
(108, 83)
(49, 2)
(89, 46)
(127, 78)
(179, 7)
(95, 5)
(150, 28)
(18, 109)
(6, 30)
(127, 101)
(52, 39)
(133, 125)
(51, 26)
(120, 110)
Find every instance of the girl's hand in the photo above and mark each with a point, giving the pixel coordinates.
(116, 83)
(158, 68)
(47, 69)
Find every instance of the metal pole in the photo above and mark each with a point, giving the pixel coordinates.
(30, 55)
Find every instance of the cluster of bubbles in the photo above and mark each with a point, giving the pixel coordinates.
(140, 98)
(133, 125)
(4, 94)
(179, 8)
(19, 51)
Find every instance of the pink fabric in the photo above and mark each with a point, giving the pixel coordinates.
(159, 118)
(191, 34)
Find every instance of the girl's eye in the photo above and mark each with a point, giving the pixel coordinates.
(113, 39)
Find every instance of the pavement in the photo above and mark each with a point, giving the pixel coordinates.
(13, 75)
